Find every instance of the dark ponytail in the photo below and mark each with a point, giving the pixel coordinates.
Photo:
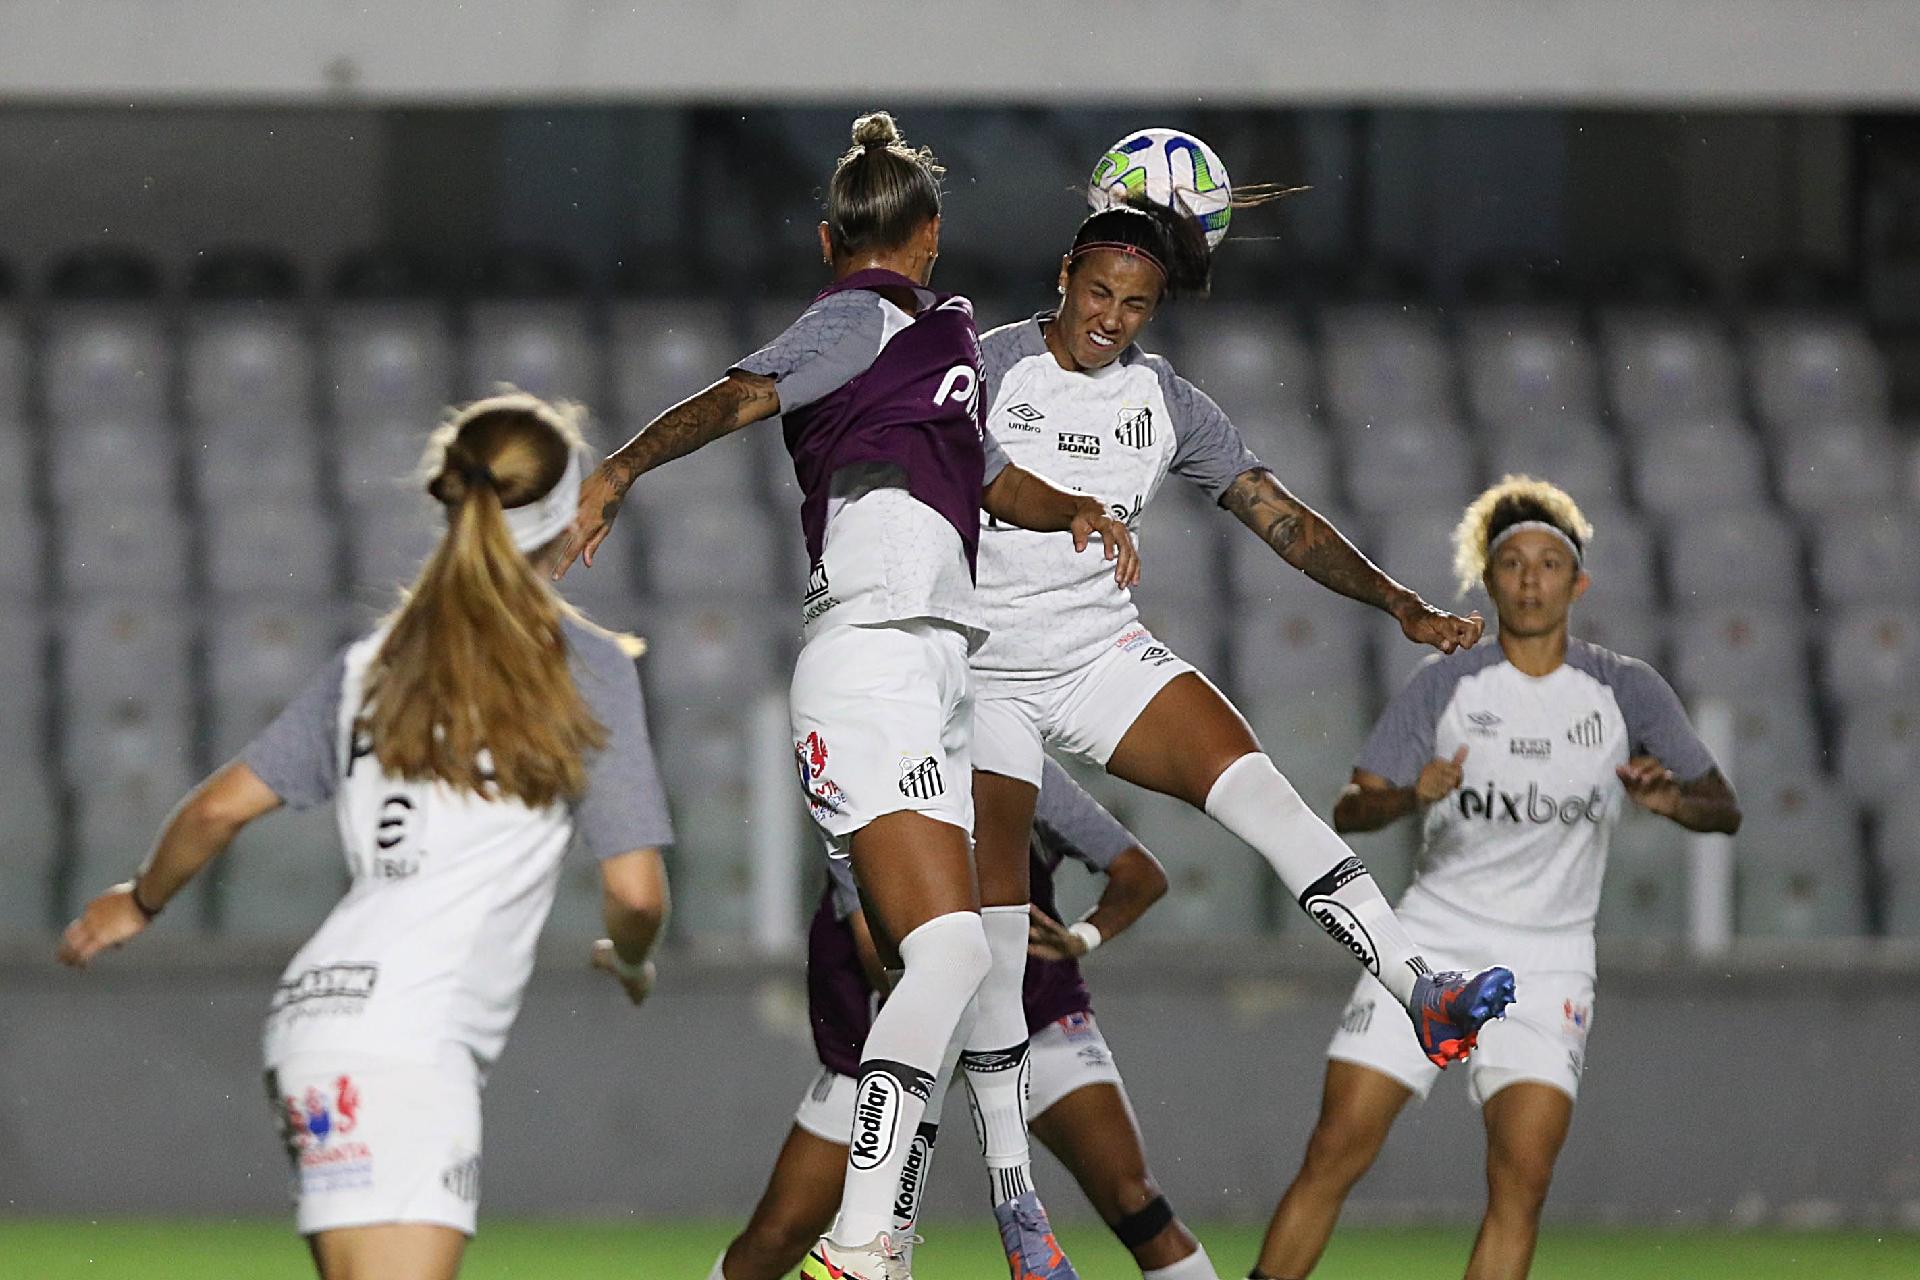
(1174, 242)
(882, 190)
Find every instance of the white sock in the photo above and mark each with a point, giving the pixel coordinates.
(946, 960)
(717, 1273)
(1195, 1266)
(913, 1174)
(995, 1060)
(1252, 800)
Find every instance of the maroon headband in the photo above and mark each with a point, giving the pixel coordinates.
(1120, 246)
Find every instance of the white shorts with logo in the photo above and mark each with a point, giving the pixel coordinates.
(379, 1140)
(1084, 712)
(1542, 1040)
(1065, 1055)
(882, 716)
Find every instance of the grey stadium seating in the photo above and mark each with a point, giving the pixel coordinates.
(1575, 453)
(1698, 465)
(286, 550)
(1664, 366)
(538, 346)
(1528, 364)
(1838, 466)
(106, 360)
(1394, 463)
(1382, 362)
(1799, 873)
(117, 456)
(134, 549)
(260, 656)
(1727, 650)
(1872, 654)
(1744, 555)
(1252, 360)
(663, 350)
(1810, 368)
(247, 360)
(1897, 850)
(1868, 556)
(1644, 894)
(389, 360)
(1880, 749)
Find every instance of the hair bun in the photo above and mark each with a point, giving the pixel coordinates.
(876, 129)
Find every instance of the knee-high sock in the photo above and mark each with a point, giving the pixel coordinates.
(995, 1061)
(946, 959)
(1195, 1266)
(1252, 800)
(913, 1174)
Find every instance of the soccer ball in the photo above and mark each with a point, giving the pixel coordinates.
(1170, 168)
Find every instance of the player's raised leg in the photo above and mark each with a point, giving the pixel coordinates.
(1093, 1133)
(795, 1210)
(1357, 1108)
(1526, 1125)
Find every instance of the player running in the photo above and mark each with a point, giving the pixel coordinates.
(878, 389)
(1067, 664)
(1517, 758)
(464, 743)
(1078, 1105)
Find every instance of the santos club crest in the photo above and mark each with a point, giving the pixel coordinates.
(1136, 428)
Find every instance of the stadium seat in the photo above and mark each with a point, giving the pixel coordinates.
(1729, 650)
(1775, 740)
(1621, 561)
(387, 539)
(1393, 464)
(1415, 545)
(705, 755)
(1664, 367)
(1528, 365)
(712, 654)
(19, 462)
(540, 346)
(1686, 467)
(1299, 451)
(1188, 626)
(1880, 748)
(1798, 868)
(286, 551)
(1181, 548)
(388, 360)
(1873, 654)
(1295, 644)
(1812, 367)
(1385, 362)
(123, 548)
(1252, 360)
(256, 459)
(29, 852)
(663, 350)
(25, 692)
(701, 548)
(379, 458)
(1868, 557)
(1575, 453)
(247, 360)
(1313, 735)
(1897, 850)
(22, 533)
(608, 593)
(14, 364)
(1836, 466)
(1745, 555)
(260, 656)
(91, 458)
(1216, 886)
(1644, 894)
(282, 876)
(107, 650)
(115, 824)
(106, 360)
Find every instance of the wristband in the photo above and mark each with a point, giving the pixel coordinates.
(1087, 932)
(133, 892)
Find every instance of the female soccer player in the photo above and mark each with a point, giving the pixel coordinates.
(464, 742)
(878, 388)
(1067, 663)
(1078, 1105)
(1518, 759)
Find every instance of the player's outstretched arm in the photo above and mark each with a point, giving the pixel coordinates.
(729, 404)
(1371, 802)
(1304, 539)
(200, 829)
(634, 906)
(1024, 500)
(1135, 881)
(1707, 803)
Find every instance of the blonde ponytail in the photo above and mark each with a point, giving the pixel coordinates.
(472, 686)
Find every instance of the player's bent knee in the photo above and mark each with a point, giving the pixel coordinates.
(954, 945)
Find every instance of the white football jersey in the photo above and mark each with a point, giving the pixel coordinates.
(434, 941)
(1522, 842)
(1115, 433)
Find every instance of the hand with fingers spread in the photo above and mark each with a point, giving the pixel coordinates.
(1048, 939)
(1651, 785)
(1447, 632)
(600, 498)
(110, 920)
(635, 980)
(1090, 521)
(1438, 778)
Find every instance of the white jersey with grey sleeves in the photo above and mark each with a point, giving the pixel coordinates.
(434, 941)
(1115, 433)
(1522, 843)
(886, 556)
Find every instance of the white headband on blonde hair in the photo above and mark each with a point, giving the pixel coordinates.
(539, 522)
(1535, 526)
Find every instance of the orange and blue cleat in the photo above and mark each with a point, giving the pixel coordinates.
(1448, 1010)
(1027, 1236)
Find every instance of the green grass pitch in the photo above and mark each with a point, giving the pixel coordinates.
(73, 1249)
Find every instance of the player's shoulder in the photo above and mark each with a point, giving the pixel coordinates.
(1615, 670)
(1015, 340)
(1439, 674)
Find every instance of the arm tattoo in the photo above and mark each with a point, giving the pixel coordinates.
(1301, 537)
(725, 406)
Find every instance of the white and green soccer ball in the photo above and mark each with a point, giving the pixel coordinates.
(1170, 167)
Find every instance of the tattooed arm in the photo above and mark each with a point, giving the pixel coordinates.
(729, 404)
(1304, 539)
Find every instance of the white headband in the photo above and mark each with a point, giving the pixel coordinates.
(1540, 526)
(538, 523)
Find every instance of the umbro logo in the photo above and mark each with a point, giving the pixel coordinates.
(1026, 412)
(1484, 724)
(921, 781)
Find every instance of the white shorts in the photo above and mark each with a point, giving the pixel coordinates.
(882, 717)
(1083, 712)
(1543, 1038)
(378, 1140)
(1066, 1055)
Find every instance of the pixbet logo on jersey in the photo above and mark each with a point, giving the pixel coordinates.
(1531, 806)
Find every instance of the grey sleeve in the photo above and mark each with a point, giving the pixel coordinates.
(1657, 723)
(625, 807)
(1207, 447)
(831, 344)
(997, 459)
(846, 894)
(1402, 739)
(1073, 822)
(297, 755)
